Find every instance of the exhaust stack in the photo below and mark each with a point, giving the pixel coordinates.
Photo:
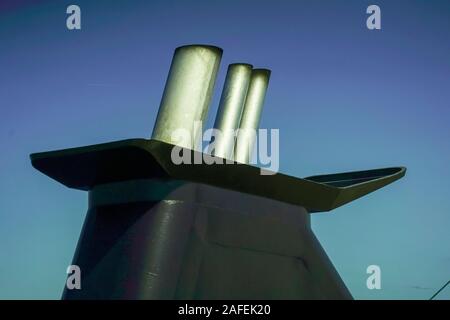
(188, 93)
(251, 115)
(157, 230)
(230, 108)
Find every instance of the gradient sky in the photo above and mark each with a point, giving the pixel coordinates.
(344, 98)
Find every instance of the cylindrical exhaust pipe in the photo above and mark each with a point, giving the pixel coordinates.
(187, 94)
(251, 115)
(230, 109)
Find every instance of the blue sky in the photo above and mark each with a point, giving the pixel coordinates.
(344, 98)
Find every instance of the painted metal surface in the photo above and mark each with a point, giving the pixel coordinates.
(85, 167)
(189, 244)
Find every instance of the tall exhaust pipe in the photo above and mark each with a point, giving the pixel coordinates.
(187, 93)
(230, 108)
(251, 115)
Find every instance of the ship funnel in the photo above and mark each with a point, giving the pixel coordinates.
(230, 109)
(251, 115)
(187, 94)
(155, 229)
